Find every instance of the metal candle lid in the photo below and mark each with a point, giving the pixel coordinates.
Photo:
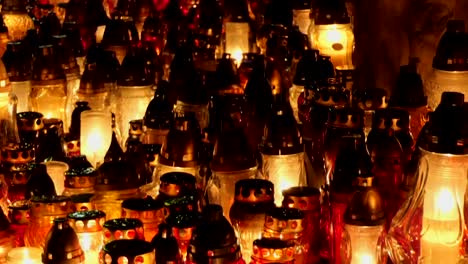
(303, 198)
(30, 121)
(128, 251)
(87, 221)
(123, 228)
(283, 221)
(62, 245)
(273, 250)
(254, 191)
(177, 183)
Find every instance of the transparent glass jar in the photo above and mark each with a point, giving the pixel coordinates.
(285, 171)
(429, 228)
(43, 212)
(150, 212)
(88, 226)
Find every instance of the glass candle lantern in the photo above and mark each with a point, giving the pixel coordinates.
(95, 88)
(88, 226)
(180, 150)
(123, 228)
(253, 199)
(307, 200)
(18, 65)
(432, 219)
(134, 90)
(364, 224)
(42, 214)
(331, 33)
(283, 154)
(62, 244)
(95, 135)
(25, 255)
(116, 182)
(18, 213)
(56, 171)
(149, 211)
(449, 66)
(272, 250)
(232, 161)
(128, 251)
(48, 91)
(287, 224)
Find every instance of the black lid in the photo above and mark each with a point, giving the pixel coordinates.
(409, 89)
(142, 204)
(80, 166)
(446, 131)
(123, 224)
(49, 27)
(133, 71)
(129, 248)
(86, 215)
(283, 213)
(39, 183)
(18, 62)
(183, 219)
(452, 51)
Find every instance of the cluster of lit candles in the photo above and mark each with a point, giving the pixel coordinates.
(127, 198)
